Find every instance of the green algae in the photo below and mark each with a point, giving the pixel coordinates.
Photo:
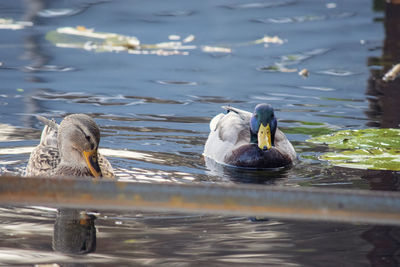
(377, 149)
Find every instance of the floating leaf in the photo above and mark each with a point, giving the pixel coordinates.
(88, 39)
(81, 37)
(312, 131)
(377, 149)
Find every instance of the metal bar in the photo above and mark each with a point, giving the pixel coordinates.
(362, 206)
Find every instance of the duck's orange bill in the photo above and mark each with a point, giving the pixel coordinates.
(264, 137)
(92, 162)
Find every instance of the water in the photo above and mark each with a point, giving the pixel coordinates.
(154, 113)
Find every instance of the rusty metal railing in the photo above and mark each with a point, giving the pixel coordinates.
(363, 206)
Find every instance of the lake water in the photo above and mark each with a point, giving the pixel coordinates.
(154, 110)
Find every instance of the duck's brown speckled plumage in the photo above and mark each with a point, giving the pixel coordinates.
(229, 143)
(45, 159)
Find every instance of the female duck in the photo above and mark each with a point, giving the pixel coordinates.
(243, 139)
(69, 149)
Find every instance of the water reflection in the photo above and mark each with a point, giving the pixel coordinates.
(386, 246)
(384, 96)
(35, 53)
(74, 232)
(224, 173)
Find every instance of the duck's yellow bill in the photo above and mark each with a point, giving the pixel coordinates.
(264, 137)
(92, 162)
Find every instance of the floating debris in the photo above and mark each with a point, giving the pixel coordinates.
(174, 37)
(216, 49)
(88, 39)
(9, 24)
(392, 74)
(331, 5)
(111, 38)
(304, 73)
(264, 40)
(189, 39)
(269, 39)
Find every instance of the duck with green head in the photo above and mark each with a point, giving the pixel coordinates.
(250, 140)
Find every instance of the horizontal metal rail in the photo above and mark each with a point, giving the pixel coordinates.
(361, 206)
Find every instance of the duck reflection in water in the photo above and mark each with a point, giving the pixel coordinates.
(383, 112)
(74, 232)
(225, 173)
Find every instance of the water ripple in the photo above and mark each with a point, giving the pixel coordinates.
(67, 11)
(214, 99)
(317, 88)
(156, 117)
(258, 5)
(175, 13)
(60, 12)
(175, 82)
(48, 68)
(306, 18)
(286, 61)
(337, 72)
(102, 100)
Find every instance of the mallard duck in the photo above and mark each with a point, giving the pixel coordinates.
(69, 149)
(250, 140)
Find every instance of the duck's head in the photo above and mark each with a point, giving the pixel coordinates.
(78, 139)
(263, 126)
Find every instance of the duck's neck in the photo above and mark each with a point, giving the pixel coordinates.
(72, 163)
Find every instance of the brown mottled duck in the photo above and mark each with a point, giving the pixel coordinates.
(69, 149)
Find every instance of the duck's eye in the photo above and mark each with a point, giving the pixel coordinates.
(92, 145)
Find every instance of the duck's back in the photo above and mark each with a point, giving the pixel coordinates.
(227, 132)
(45, 157)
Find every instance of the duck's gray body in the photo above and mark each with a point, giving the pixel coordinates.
(229, 143)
